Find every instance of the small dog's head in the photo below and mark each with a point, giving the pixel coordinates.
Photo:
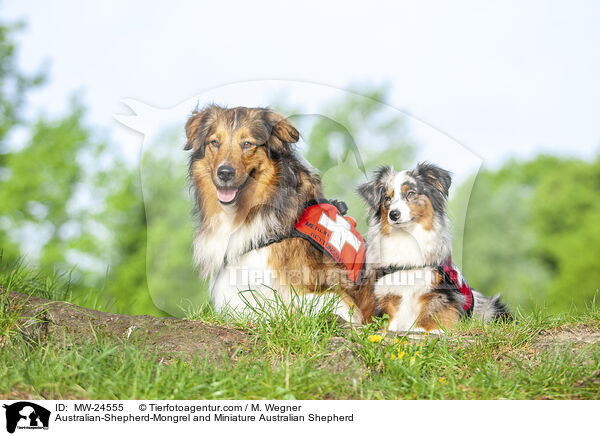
(234, 147)
(402, 199)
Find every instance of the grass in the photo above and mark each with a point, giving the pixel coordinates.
(291, 359)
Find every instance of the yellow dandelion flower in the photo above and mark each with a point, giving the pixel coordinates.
(412, 359)
(375, 338)
(442, 380)
(396, 341)
(401, 355)
(417, 353)
(393, 356)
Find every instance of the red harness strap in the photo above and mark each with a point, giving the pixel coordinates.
(330, 232)
(455, 276)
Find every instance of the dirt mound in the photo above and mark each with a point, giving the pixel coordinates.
(169, 337)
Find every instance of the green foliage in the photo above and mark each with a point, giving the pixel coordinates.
(44, 178)
(124, 218)
(68, 202)
(499, 243)
(171, 277)
(14, 86)
(566, 215)
(532, 233)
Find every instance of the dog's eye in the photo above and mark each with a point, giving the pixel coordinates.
(410, 194)
(387, 199)
(246, 144)
(215, 143)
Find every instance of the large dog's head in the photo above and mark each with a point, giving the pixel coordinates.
(235, 150)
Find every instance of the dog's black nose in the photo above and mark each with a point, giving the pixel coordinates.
(394, 215)
(225, 173)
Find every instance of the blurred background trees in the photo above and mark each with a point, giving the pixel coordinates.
(13, 88)
(71, 205)
(532, 232)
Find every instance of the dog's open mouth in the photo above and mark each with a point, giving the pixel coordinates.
(225, 195)
(229, 195)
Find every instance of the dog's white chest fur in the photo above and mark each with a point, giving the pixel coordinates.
(210, 246)
(243, 280)
(410, 247)
(222, 240)
(220, 251)
(409, 285)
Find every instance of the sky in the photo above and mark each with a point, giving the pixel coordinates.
(502, 79)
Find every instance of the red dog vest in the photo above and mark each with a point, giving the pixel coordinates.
(455, 276)
(329, 231)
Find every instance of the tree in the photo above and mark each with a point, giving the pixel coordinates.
(500, 242)
(14, 86)
(565, 214)
(532, 232)
(58, 189)
(44, 177)
(151, 269)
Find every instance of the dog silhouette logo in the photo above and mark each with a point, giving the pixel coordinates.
(26, 415)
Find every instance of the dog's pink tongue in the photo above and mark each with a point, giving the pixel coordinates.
(226, 195)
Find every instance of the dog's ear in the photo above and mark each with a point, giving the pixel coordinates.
(435, 176)
(374, 190)
(192, 127)
(282, 132)
(282, 128)
(197, 127)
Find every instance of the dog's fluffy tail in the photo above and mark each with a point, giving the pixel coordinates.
(490, 308)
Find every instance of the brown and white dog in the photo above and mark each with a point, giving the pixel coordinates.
(250, 189)
(409, 253)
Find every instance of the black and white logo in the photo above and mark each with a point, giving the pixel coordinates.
(26, 415)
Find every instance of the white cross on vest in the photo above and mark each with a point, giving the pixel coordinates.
(340, 232)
